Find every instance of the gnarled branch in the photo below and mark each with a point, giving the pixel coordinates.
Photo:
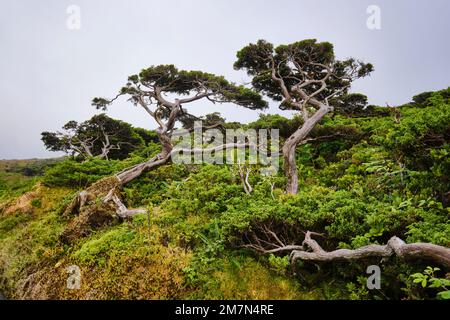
(310, 250)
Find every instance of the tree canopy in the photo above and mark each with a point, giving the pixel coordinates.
(290, 73)
(163, 91)
(150, 86)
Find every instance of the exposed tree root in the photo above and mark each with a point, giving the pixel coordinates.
(101, 203)
(95, 192)
(98, 205)
(90, 218)
(310, 250)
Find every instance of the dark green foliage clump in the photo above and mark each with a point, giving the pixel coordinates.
(90, 138)
(74, 174)
(293, 62)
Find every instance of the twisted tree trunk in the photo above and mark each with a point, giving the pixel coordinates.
(290, 146)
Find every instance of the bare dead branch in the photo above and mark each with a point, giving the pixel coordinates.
(310, 250)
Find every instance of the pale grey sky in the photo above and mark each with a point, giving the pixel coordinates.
(49, 74)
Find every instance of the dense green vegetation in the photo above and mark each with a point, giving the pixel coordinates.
(386, 173)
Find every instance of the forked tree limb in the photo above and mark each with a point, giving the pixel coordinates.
(121, 210)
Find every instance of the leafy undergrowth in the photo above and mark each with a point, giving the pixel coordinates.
(245, 278)
(119, 263)
(128, 261)
(29, 234)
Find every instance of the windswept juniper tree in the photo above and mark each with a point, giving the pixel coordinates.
(152, 89)
(99, 137)
(162, 91)
(304, 76)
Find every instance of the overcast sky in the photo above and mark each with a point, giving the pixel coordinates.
(49, 73)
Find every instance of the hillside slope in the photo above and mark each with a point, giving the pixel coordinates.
(385, 174)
